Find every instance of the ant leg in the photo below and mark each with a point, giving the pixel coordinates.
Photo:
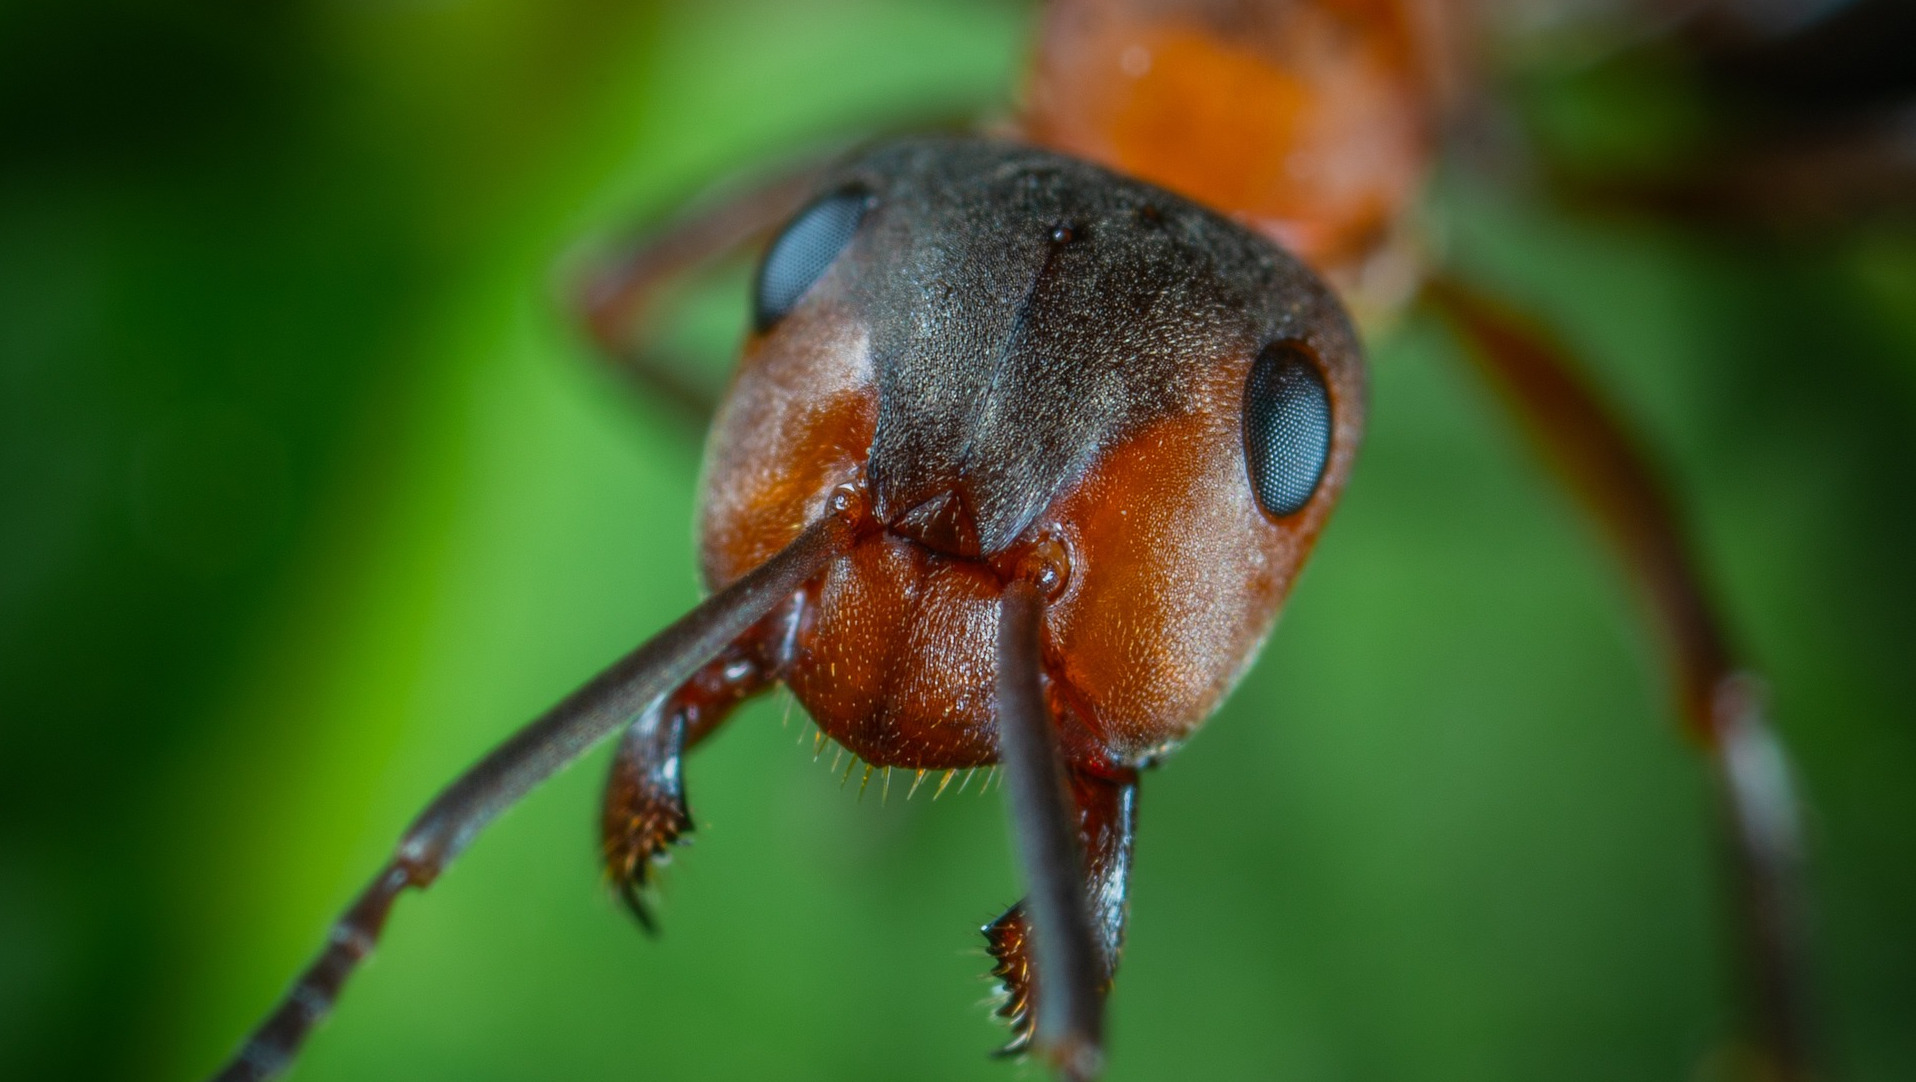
(512, 769)
(1071, 929)
(1835, 171)
(614, 293)
(1721, 705)
(645, 810)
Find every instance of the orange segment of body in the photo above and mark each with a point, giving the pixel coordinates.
(1308, 125)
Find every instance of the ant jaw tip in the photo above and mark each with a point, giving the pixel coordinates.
(635, 905)
(1014, 1048)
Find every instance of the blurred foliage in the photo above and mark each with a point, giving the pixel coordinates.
(308, 495)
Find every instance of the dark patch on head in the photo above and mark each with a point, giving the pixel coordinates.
(1026, 310)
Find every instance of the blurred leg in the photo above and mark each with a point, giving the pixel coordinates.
(613, 295)
(1721, 706)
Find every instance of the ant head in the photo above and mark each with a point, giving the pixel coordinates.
(1037, 367)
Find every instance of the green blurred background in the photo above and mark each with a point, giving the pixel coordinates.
(308, 494)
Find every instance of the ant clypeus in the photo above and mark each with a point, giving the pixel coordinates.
(1025, 454)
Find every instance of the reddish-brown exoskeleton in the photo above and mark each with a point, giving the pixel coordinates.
(1028, 442)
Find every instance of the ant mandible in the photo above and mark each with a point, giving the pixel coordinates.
(1028, 443)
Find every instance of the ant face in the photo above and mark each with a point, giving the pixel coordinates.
(1022, 459)
(1020, 357)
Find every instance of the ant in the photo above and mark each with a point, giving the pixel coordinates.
(1029, 442)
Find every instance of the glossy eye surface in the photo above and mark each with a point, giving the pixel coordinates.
(1287, 428)
(802, 254)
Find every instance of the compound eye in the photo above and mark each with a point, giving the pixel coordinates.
(804, 252)
(1287, 428)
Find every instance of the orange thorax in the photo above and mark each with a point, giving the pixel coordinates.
(1309, 121)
